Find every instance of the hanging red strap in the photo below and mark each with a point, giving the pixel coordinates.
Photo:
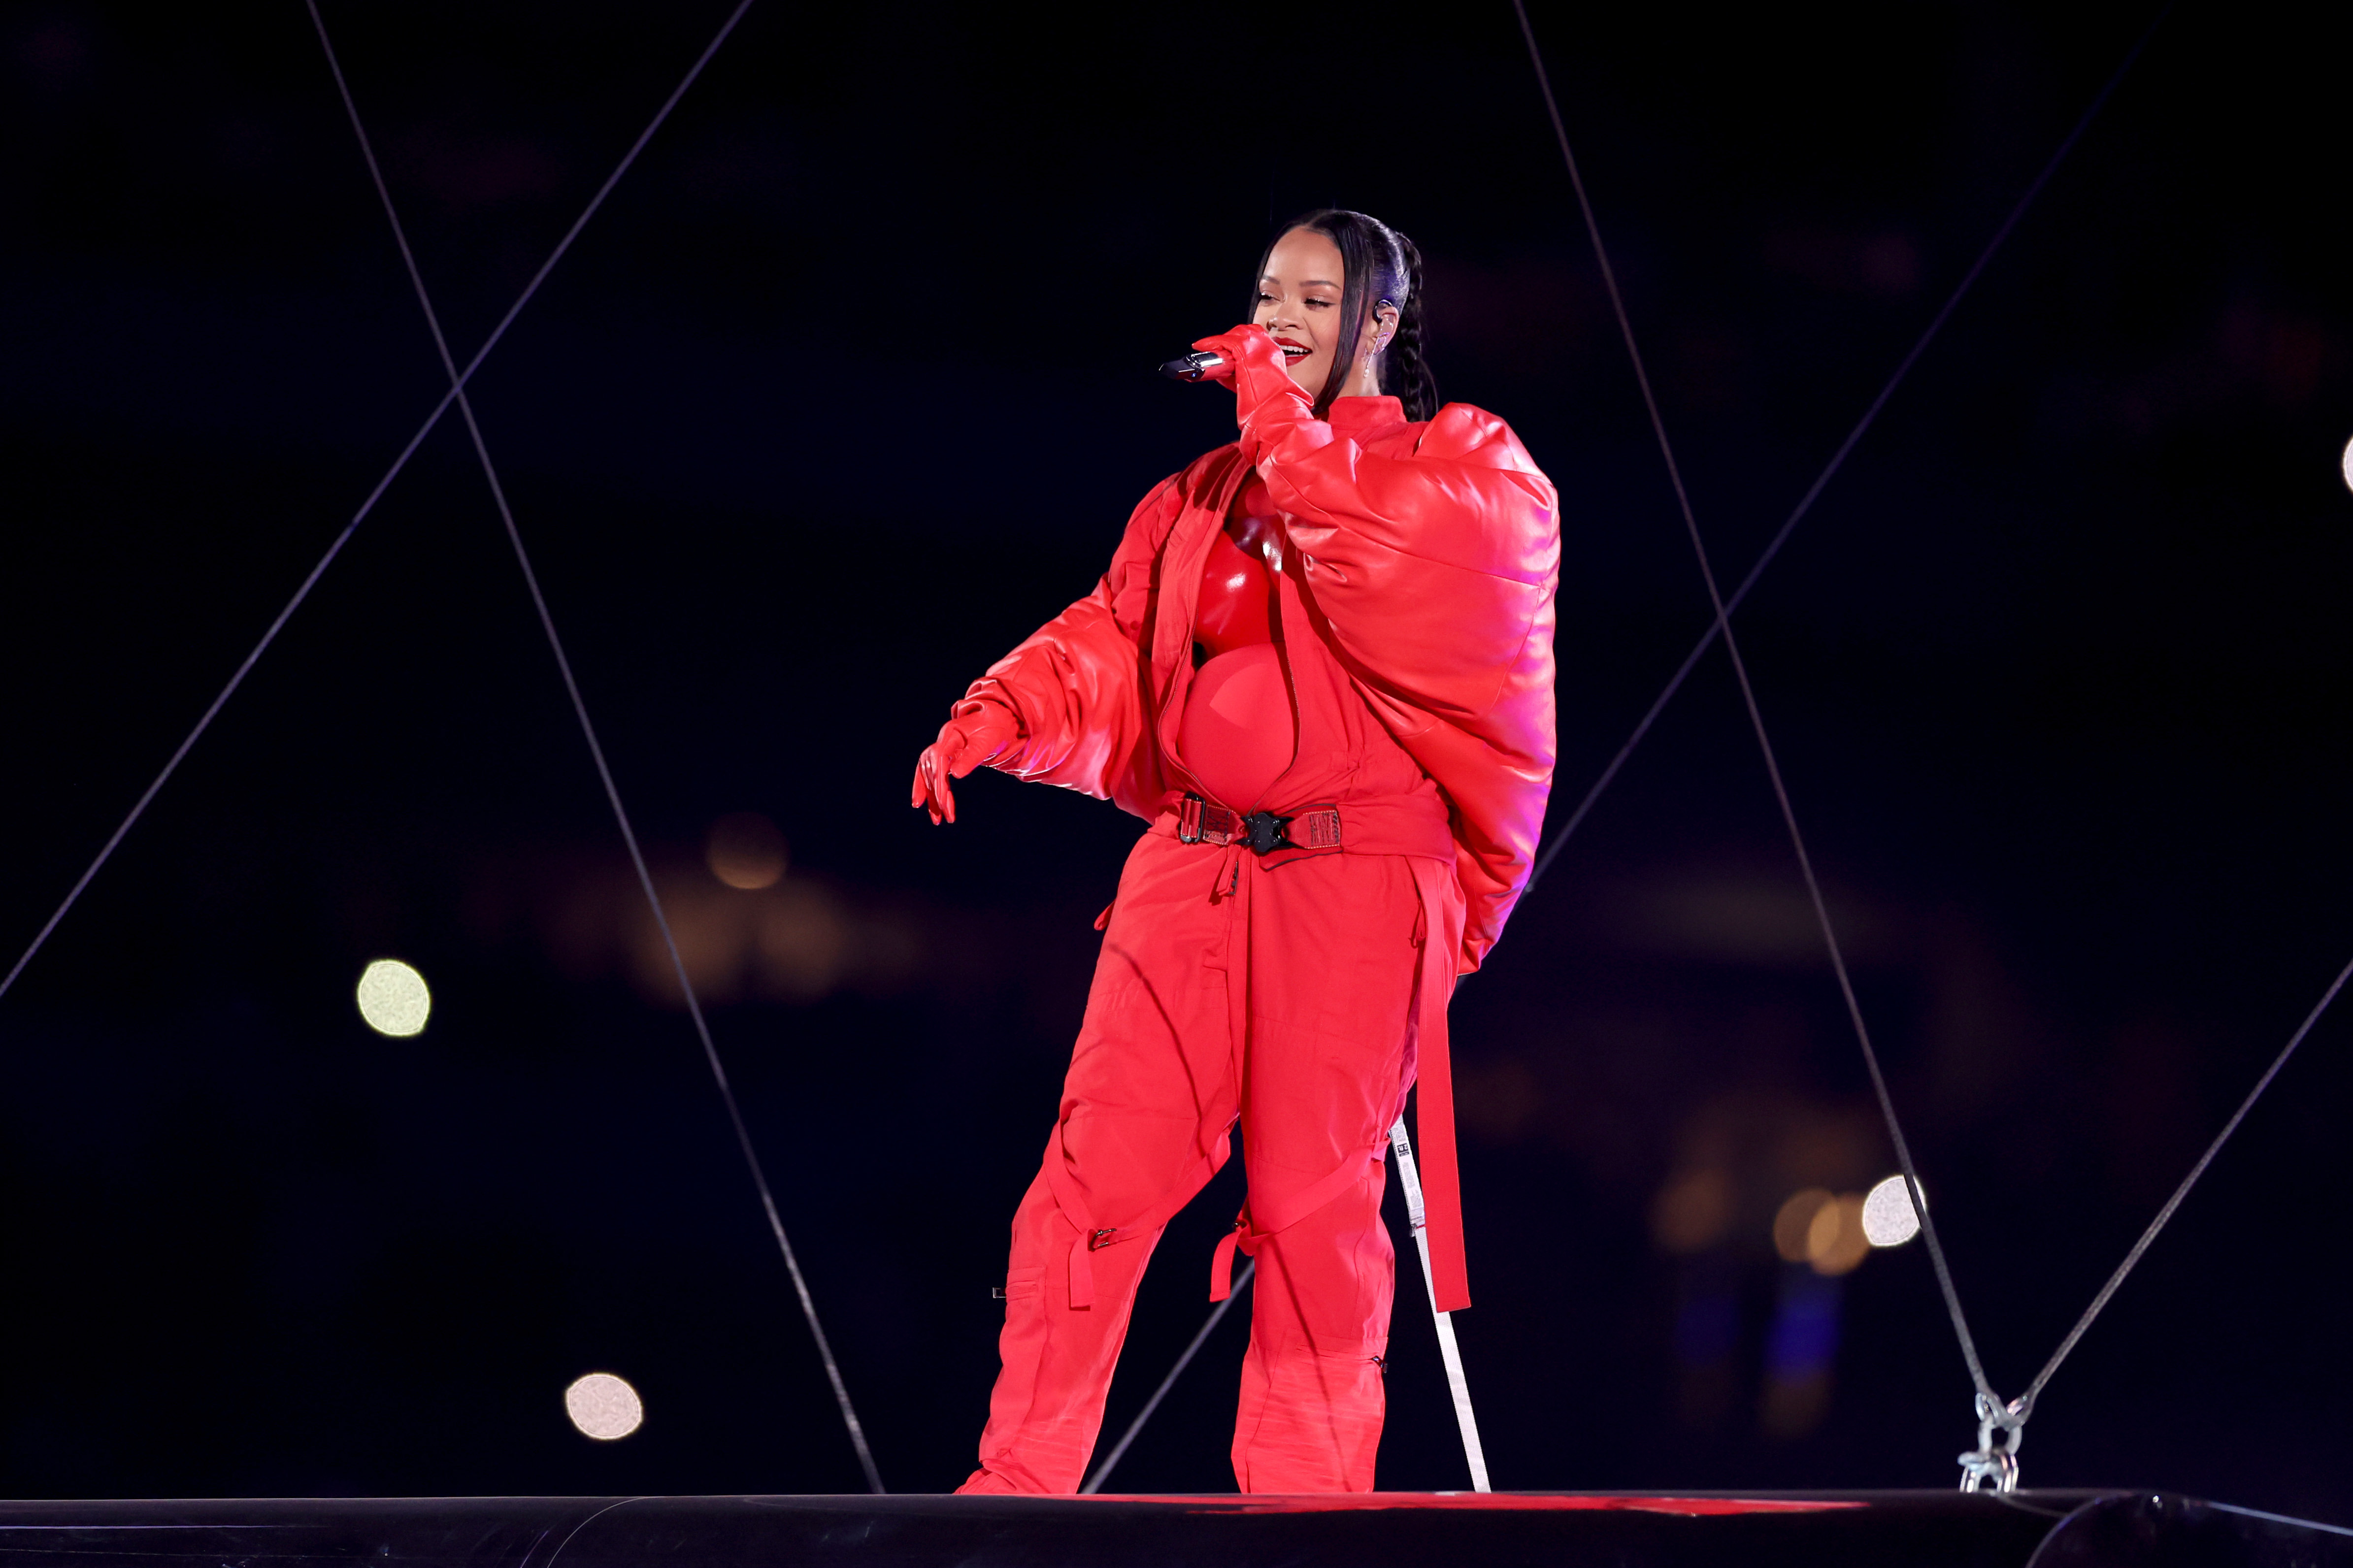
(1222, 1261)
(1442, 1182)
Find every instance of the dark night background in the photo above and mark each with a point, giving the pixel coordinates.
(848, 388)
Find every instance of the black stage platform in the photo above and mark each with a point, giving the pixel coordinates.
(1423, 1530)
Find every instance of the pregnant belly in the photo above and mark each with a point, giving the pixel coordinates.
(1236, 734)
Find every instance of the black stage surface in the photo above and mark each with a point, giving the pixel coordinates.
(1914, 1529)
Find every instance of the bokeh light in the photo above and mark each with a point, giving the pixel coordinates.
(1888, 1218)
(1692, 1211)
(604, 1406)
(2349, 464)
(1822, 1229)
(1794, 1224)
(745, 851)
(393, 999)
(1834, 1239)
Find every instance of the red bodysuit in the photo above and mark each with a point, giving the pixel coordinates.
(1353, 615)
(1237, 735)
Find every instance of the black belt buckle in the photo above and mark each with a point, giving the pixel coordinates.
(1266, 835)
(1262, 832)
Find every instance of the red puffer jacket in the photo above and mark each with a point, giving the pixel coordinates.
(1428, 555)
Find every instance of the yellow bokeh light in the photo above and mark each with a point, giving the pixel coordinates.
(1821, 1228)
(1793, 1225)
(604, 1406)
(745, 851)
(1834, 1239)
(1888, 1218)
(393, 999)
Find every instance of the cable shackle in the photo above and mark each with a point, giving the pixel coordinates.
(1992, 1466)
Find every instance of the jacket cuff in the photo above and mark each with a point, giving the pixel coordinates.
(1278, 417)
(993, 721)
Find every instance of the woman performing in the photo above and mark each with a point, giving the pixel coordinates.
(1321, 668)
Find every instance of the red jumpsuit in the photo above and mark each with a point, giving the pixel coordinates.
(1296, 993)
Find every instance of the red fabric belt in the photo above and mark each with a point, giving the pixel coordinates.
(1199, 822)
(1385, 825)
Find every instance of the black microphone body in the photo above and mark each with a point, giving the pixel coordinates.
(1192, 367)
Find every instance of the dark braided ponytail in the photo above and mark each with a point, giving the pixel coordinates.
(1380, 267)
(1405, 375)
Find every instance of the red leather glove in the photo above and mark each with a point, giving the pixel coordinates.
(1245, 343)
(978, 733)
(1266, 400)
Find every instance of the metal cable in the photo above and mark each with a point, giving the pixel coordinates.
(1216, 1315)
(2015, 1413)
(334, 549)
(2035, 1389)
(1756, 723)
(596, 750)
(1838, 458)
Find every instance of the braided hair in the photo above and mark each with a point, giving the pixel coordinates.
(1380, 266)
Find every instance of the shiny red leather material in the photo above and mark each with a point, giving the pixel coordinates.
(975, 734)
(1428, 555)
(1237, 603)
(1414, 613)
(1236, 734)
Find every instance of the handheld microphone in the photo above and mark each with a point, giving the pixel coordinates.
(1192, 366)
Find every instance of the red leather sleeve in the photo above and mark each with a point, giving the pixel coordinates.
(1076, 685)
(1436, 569)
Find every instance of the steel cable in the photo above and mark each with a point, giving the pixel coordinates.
(1757, 723)
(2015, 1413)
(1838, 458)
(596, 750)
(2035, 1389)
(269, 635)
(1200, 1338)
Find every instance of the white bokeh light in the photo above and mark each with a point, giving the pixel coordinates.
(1888, 1219)
(2349, 464)
(393, 999)
(604, 1406)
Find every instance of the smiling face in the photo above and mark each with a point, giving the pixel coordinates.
(1299, 302)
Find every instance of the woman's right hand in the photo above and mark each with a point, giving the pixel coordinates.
(1233, 346)
(971, 738)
